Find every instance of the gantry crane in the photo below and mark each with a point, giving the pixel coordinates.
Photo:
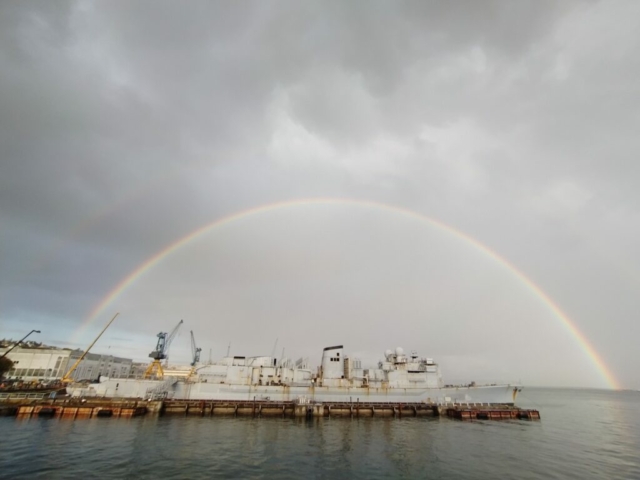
(161, 352)
(195, 353)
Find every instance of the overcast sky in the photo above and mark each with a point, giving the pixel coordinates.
(125, 126)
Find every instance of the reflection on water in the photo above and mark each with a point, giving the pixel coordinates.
(583, 434)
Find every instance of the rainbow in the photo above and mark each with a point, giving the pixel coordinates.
(567, 323)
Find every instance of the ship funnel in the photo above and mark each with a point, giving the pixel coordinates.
(332, 362)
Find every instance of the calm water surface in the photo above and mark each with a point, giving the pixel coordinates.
(583, 434)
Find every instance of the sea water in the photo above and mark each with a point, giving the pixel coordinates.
(583, 434)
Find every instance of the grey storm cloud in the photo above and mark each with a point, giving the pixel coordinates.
(124, 126)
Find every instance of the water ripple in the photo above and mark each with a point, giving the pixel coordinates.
(583, 434)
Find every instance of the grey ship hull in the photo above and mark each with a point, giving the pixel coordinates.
(174, 389)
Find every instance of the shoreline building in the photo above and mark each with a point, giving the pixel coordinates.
(45, 363)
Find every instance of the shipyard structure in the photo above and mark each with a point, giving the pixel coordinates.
(49, 364)
(104, 386)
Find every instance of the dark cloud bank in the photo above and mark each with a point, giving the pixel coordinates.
(126, 125)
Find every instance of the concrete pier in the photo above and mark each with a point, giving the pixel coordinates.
(465, 412)
(73, 412)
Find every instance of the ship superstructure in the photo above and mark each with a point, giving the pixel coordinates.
(397, 370)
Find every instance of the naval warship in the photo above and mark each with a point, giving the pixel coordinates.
(398, 378)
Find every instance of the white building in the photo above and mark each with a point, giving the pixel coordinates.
(50, 363)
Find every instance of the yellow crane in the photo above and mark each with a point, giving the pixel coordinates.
(160, 353)
(67, 376)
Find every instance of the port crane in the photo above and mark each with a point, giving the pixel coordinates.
(161, 352)
(195, 353)
(67, 376)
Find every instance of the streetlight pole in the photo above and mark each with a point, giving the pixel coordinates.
(19, 342)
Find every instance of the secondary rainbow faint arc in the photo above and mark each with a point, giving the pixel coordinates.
(181, 242)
